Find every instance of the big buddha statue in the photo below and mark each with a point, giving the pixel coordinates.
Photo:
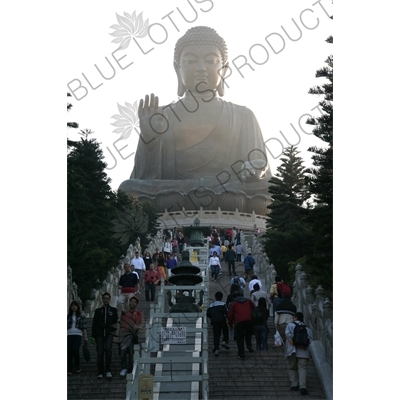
(200, 151)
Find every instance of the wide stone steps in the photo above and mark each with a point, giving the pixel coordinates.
(85, 385)
(260, 376)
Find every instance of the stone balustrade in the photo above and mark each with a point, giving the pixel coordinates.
(218, 217)
(316, 307)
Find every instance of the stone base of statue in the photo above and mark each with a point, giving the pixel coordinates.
(230, 200)
(233, 207)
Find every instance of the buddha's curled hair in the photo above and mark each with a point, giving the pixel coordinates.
(201, 35)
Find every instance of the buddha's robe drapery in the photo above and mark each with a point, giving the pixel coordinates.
(213, 162)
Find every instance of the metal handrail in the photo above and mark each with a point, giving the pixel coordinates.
(142, 364)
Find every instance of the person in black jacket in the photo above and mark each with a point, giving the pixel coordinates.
(230, 257)
(234, 288)
(103, 328)
(218, 314)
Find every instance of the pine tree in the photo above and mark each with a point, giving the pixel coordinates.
(319, 261)
(101, 223)
(91, 207)
(289, 191)
(287, 235)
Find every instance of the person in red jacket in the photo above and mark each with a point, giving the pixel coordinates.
(240, 316)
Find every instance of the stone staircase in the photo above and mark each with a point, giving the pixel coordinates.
(261, 376)
(258, 377)
(85, 385)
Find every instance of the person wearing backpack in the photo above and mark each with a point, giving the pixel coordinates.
(260, 328)
(238, 280)
(278, 289)
(299, 338)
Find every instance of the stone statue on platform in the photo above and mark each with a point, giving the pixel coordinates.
(200, 151)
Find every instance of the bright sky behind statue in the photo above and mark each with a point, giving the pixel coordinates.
(274, 84)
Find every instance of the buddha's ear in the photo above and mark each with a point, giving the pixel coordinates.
(221, 86)
(181, 87)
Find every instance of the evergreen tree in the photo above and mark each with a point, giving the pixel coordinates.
(287, 235)
(288, 190)
(101, 223)
(91, 207)
(319, 262)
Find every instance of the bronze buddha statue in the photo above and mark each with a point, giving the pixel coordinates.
(200, 151)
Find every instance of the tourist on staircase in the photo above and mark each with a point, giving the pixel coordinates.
(127, 284)
(260, 317)
(299, 337)
(161, 266)
(154, 257)
(215, 266)
(76, 329)
(228, 236)
(277, 290)
(104, 332)
(147, 260)
(240, 317)
(239, 252)
(150, 280)
(218, 314)
(230, 258)
(131, 322)
(284, 313)
(181, 242)
(249, 263)
(140, 267)
(239, 281)
(252, 282)
(257, 294)
(223, 250)
(170, 264)
(167, 247)
(234, 288)
(174, 244)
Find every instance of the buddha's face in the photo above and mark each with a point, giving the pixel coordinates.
(200, 67)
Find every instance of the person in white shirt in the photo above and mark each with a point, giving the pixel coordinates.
(215, 266)
(167, 248)
(139, 265)
(253, 281)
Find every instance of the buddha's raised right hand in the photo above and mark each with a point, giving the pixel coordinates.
(153, 119)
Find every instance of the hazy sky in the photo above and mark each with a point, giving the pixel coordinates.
(274, 83)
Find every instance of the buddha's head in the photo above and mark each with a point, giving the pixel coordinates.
(200, 61)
